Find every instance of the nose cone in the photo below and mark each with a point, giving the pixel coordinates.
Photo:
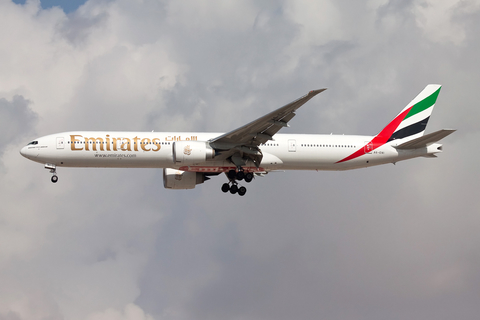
(24, 152)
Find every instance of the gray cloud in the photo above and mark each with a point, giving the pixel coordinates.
(77, 28)
(17, 120)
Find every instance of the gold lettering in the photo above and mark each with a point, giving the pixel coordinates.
(135, 143)
(125, 145)
(108, 142)
(120, 144)
(72, 142)
(94, 143)
(144, 144)
(155, 141)
(115, 143)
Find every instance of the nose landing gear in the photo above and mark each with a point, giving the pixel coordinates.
(53, 169)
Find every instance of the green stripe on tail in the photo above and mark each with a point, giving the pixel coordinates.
(424, 104)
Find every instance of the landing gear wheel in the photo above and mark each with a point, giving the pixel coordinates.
(248, 177)
(54, 179)
(225, 187)
(231, 174)
(233, 189)
(242, 191)
(240, 175)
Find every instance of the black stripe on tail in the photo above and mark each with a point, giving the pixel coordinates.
(410, 130)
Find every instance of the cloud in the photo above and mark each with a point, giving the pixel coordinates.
(131, 312)
(113, 244)
(445, 21)
(16, 120)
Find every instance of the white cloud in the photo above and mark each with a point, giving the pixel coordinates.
(131, 312)
(445, 21)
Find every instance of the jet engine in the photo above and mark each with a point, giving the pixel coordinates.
(177, 179)
(191, 152)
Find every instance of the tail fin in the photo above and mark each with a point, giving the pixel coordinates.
(408, 125)
(411, 122)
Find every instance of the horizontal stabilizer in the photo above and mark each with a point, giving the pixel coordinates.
(425, 140)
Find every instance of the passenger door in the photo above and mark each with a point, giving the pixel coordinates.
(60, 142)
(292, 145)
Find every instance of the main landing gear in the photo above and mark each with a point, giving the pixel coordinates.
(53, 169)
(232, 185)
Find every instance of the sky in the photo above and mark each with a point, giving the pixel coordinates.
(66, 5)
(388, 242)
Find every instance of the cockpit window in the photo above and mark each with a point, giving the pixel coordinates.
(33, 142)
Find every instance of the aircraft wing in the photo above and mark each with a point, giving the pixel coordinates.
(261, 130)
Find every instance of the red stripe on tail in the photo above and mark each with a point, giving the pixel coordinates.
(381, 138)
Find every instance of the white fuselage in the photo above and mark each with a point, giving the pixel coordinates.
(154, 150)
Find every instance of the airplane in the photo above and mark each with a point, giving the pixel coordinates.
(255, 149)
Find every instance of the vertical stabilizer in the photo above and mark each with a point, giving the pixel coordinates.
(411, 122)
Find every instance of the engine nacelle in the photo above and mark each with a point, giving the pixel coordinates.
(177, 179)
(191, 152)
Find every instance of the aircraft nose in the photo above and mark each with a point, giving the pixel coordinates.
(24, 152)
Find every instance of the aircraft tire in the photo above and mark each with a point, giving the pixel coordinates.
(54, 179)
(242, 191)
(233, 189)
(240, 175)
(225, 187)
(248, 177)
(231, 174)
